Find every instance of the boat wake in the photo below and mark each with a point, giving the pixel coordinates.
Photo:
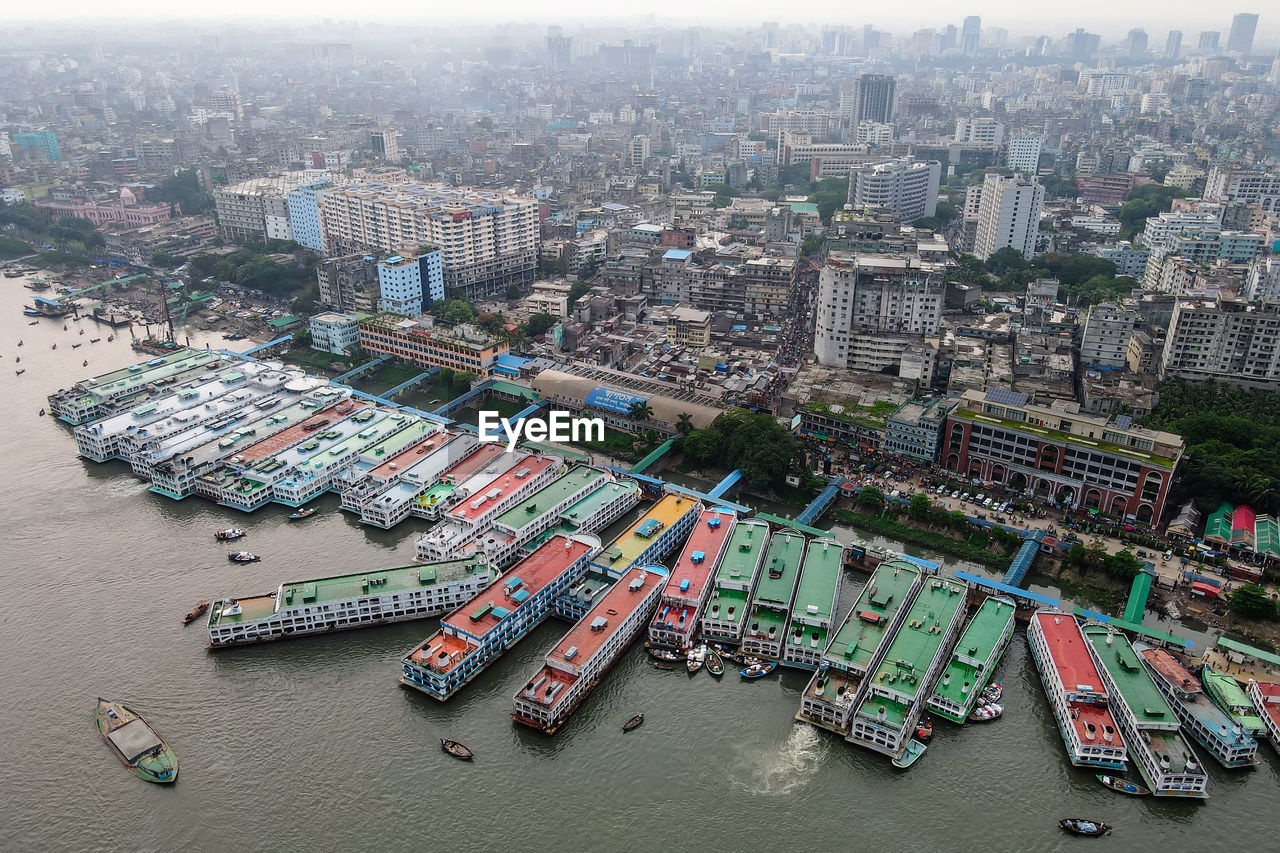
(784, 768)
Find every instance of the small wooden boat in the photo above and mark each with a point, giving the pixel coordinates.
(243, 557)
(669, 667)
(456, 749)
(633, 723)
(993, 691)
(924, 730)
(19, 372)
(664, 654)
(1124, 786)
(76, 346)
(110, 338)
(82, 330)
(697, 657)
(94, 340)
(910, 755)
(228, 534)
(86, 363)
(1080, 826)
(55, 346)
(42, 413)
(135, 743)
(715, 664)
(986, 713)
(195, 613)
(302, 513)
(758, 670)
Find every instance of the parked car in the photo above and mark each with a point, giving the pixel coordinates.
(956, 493)
(987, 503)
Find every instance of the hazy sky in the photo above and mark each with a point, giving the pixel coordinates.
(1020, 17)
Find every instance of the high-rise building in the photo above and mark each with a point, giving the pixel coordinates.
(349, 283)
(1008, 215)
(981, 129)
(257, 210)
(45, 142)
(640, 150)
(1227, 341)
(1209, 41)
(971, 35)
(1240, 39)
(907, 186)
(1081, 45)
(488, 239)
(383, 142)
(559, 48)
(871, 307)
(1136, 43)
(408, 285)
(303, 205)
(1024, 152)
(873, 99)
(1105, 342)
(950, 38)
(1173, 44)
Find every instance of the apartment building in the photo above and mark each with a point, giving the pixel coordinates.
(1008, 215)
(462, 348)
(1224, 341)
(907, 186)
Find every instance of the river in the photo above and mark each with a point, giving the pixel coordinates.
(311, 744)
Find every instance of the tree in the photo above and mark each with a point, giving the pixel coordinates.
(576, 291)
(1122, 564)
(1252, 601)
(538, 324)
(513, 292)
(445, 377)
(453, 311)
(640, 411)
(684, 423)
(302, 337)
(920, 507)
(1007, 259)
(871, 498)
(1076, 555)
(462, 381)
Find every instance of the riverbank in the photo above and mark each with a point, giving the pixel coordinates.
(976, 547)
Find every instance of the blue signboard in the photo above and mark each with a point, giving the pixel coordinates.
(613, 401)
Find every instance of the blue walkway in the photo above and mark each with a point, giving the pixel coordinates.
(528, 410)
(814, 510)
(1023, 559)
(453, 405)
(1017, 593)
(364, 395)
(406, 385)
(726, 484)
(267, 345)
(654, 484)
(356, 371)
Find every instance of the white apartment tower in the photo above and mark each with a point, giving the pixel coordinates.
(1105, 343)
(1024, 152)
(1008, 215)
(906, 186)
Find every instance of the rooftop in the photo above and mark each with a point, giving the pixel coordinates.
(504, 480)
(815, 599)
(776, 587)
(1136, 688)
(595, 499)
(613, 607)
(886, 593)
(693, 570)
(977, 644)
(919, 640)
(742, 553)
(402, 460)
(279, 441)
(552, 494)
(623, 551)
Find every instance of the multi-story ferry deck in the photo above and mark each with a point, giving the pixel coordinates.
(654, 535)
(1228, 695)
(892, 696)
(1077, 694)
(689, 584)
(766, 626)
(1150, 728)
(94, 398)
(815, 604)
(418, 433)
(486, 493)
(477, 633)
(974, 659)
(1207, 724)
(388, 496)
(725, 614)
(600, 507)
(321, 605)
(358, 486)
(315, 475)
(859, 644)
(1266, 701)
(443, 494)
(577, 663)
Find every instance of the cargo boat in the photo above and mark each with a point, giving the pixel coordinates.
(858, 645)
(687, 587)
(892, 696)
(766, 626)
(1075, 690)
(1166, 761)
(477, 633)
(1207, 724)
(1228, 695)
(576, 664)
(974, 660)
(1266, 701)
(815, 604)
(724, 616)
(341, 602)
(135, 743)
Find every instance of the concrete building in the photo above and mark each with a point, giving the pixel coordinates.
(1024, 152)
(872, 100)
(349, 282)
(382, 142)
(1105, 343)
(1225, 341)
(257, 210)
(303, 206)
(1263, 282)
(906, 186)
(408, 285)
(982, 129)
(462, 348)
(689, 327)
(488, 239)
(915, 429)
(1240, 39)
(1245, 186)
(1008, 215)
(1062, 454)
(640, 151)
(863, 296)
(335, 333)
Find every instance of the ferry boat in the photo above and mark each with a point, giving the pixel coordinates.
(1207, 724)
(1266, 701)
(1228, 695)
(858, 645)
(814, 606)
(1166, 761)
(724, 616)
(974, 660)
(689, 583)
(320, 605)
(1075, 690)
(893, 695)
(31, 312)
(767, 623)
(135, 743)
(576, 664)
(481, 630)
